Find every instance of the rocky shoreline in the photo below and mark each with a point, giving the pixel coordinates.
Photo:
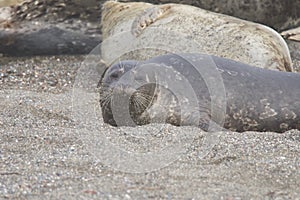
(50, 28)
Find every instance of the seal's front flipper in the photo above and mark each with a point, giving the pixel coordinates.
(148, 17)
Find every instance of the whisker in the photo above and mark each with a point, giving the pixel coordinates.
(142, 100)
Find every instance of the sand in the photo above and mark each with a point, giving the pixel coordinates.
(45, 154)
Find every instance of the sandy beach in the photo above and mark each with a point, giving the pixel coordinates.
(54, 144)
(44, 156)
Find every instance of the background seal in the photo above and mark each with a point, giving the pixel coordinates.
(217, 34)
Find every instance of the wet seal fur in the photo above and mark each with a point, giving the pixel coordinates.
(256, 99)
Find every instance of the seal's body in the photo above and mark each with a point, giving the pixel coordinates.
(253, 98)
(166, 27)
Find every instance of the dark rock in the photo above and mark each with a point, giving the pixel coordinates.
(46, 40)
(51, 27)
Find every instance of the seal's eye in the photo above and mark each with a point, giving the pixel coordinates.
(114, 75)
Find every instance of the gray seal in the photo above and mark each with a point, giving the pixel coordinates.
(256, 99)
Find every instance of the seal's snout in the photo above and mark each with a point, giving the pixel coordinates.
(114, 79)
(120, 88)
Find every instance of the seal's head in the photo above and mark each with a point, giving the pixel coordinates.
(121, 81)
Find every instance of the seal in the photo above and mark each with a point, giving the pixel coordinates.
(148, 17)
(176, 26)
(256, 99)
(285, 14)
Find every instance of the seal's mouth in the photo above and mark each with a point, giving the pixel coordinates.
(143, 98)
(140, 100)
